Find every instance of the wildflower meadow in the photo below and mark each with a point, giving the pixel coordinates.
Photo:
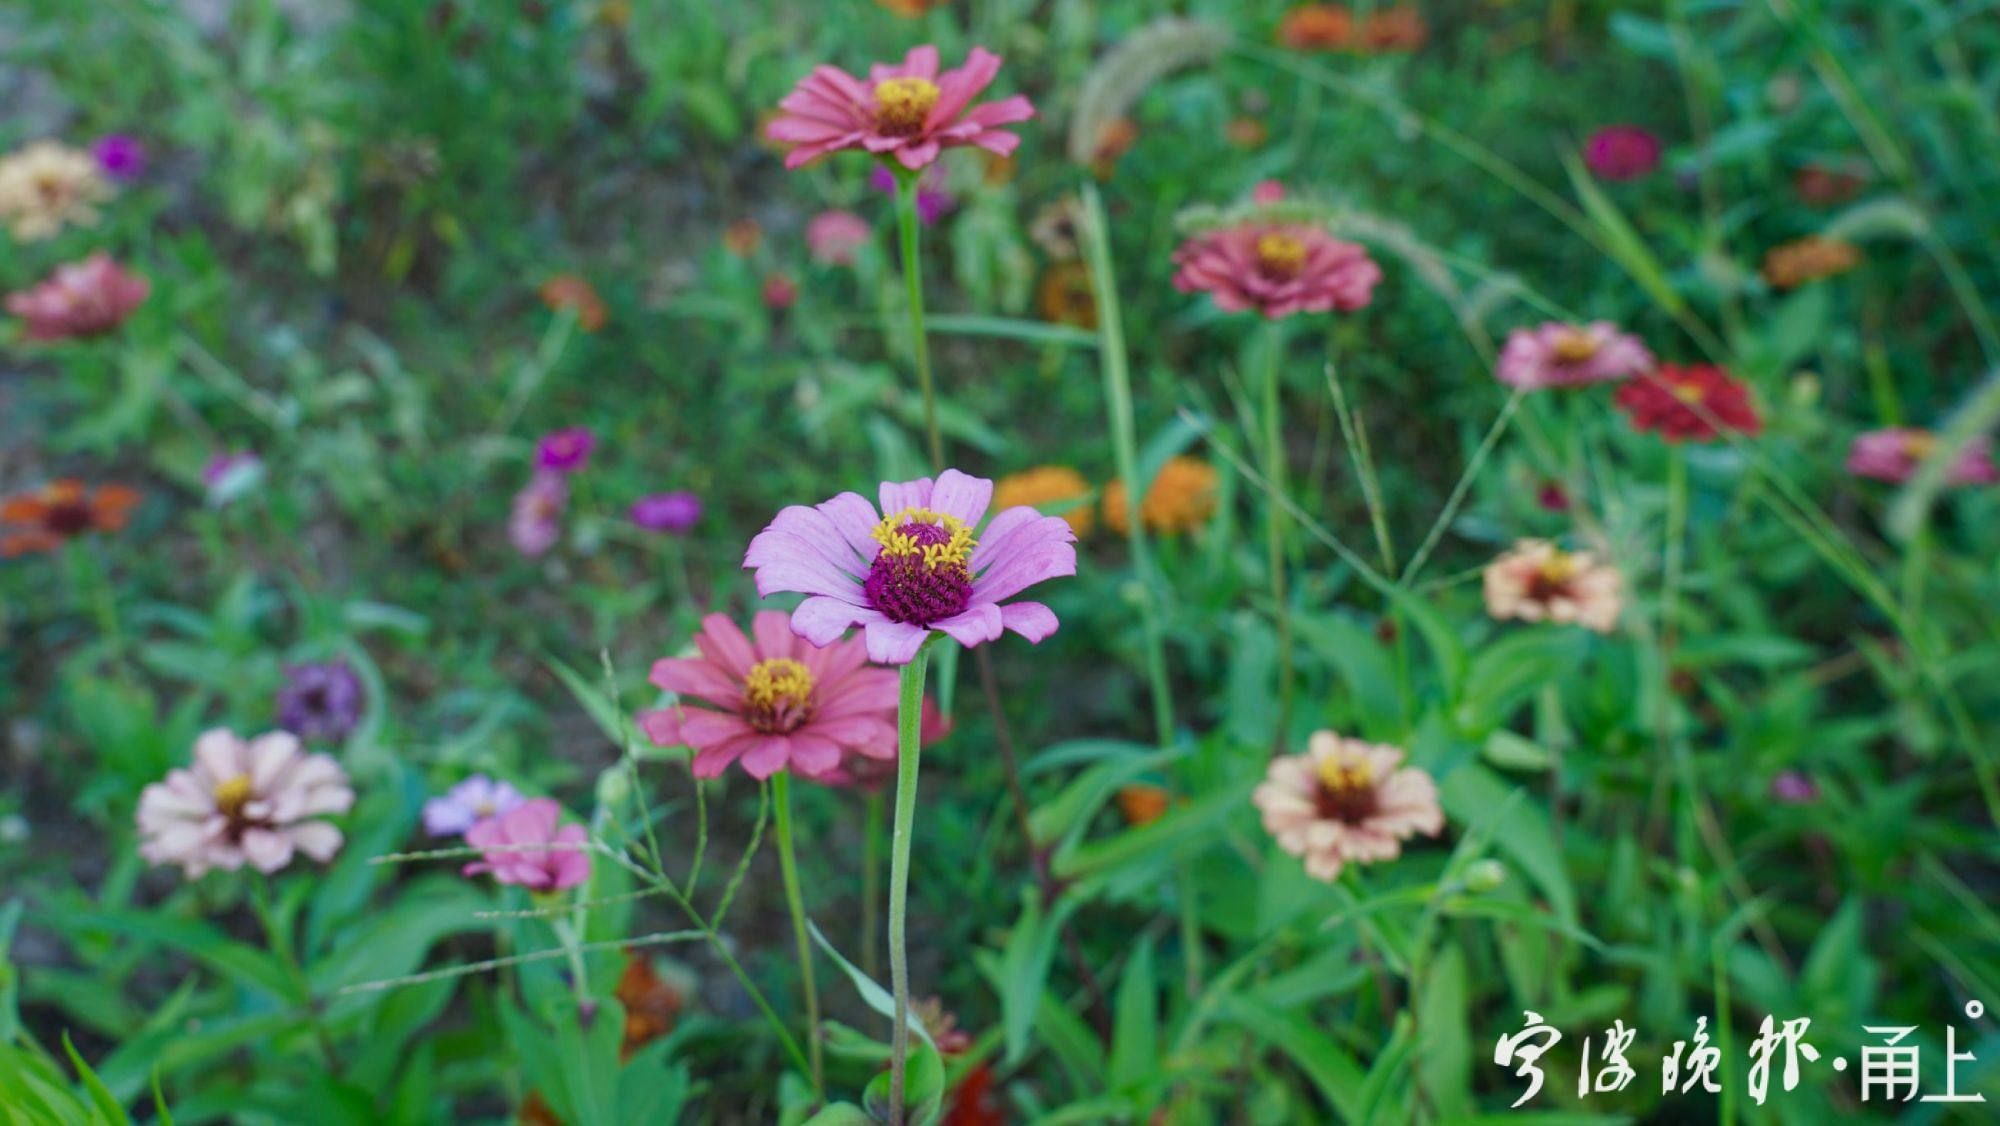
(979, 562)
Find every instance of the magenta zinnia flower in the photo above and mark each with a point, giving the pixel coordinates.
(1277, 269)
(565, 451)
(907, 111)
(783, 703)
(834, 238)
(1565, 355)
(673, 512)
(244, 801)
(536, 524)
(120, 156)
(1895, 453)
(87, 298)
(916, 567)
(1622, 152)
(547, 858)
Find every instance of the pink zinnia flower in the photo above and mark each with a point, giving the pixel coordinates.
(780, 293)
(1277, 269)
(1564, 355)
(917, 567)
(1536, 581)
(548, 858)
(536, 523)
(833, 238)
(1622, 152)
(906, 111)
(86, 298)
(1895, 453)
(862, 770)
(783, 703)
(255, 801)
(565, 451)
(1346, 801)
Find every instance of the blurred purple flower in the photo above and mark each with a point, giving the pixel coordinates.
(1622, 152)
(321, 701)
(468, 803)
(231, 476)
(536, 524)
(565, 451)
(121, 157)
(674, 512)
(1794, 788)
(933, 201)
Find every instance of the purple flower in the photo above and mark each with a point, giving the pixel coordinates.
(120, 156)
(321, 701)
(467, 804)
(1895, 453)
(674, 512)
(1794, 788)
(933, 201)
(550, 859)
(917, 569)
(565, 451)
(231, 476)
(536, 524)
(1622, 152)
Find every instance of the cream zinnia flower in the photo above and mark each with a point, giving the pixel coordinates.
(254, 801)
(47, 186)
(1346, 801)
(1538, 581)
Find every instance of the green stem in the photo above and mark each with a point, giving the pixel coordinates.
(1274, 520)
(871, 882)
(281, 945)
(788, 862)
(909, 715)
(913, 282)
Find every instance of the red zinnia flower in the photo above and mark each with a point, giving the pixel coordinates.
(1693, 403)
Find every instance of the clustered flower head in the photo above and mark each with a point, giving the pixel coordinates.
(474, 800)
(1048, 486)
(1536, 581)
(257, 801)
(921, 564)
(1693, 403)
(81, 299)
(674, 513)
(1895, 453)
(536, 523)
(1277, 268)
(1181, 499)
(47, 518)
(321, 701)
(1345, 801)
(525, 847)
(1565, 355)
(48, 186)
(779, 701)
(907, 112)
(835, 238)
(1808, 260)
(1622, 152)
(565, 451)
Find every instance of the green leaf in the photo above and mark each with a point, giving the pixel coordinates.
(923, 1087)
(100, 1098)
(1474, 796)
(1024, 967)
(1181, 829)
(841, 1114)
(1331, 1070)
(1509, 751)
(1033, 332)
(872, 994)
(1135, 1039)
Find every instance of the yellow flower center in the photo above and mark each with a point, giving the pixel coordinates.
(938, 540)
(1560, 568)
(1346, 790)
(1281, 255)
(778, 695)
(1574, 346)
(1689, 393)
(1919, 445)
(1345, 779)
(232, 794)
(902, 104)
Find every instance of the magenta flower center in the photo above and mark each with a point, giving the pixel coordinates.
(1346, 791)
(777, 696)
(903, 104)
(1281, 256)
(924, 573)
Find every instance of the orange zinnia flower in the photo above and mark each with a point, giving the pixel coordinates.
(568, 291)
(46, 519)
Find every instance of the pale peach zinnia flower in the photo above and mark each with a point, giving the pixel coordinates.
(1538, 581)
(48, 186)
(1344, 801)
(255, 801)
